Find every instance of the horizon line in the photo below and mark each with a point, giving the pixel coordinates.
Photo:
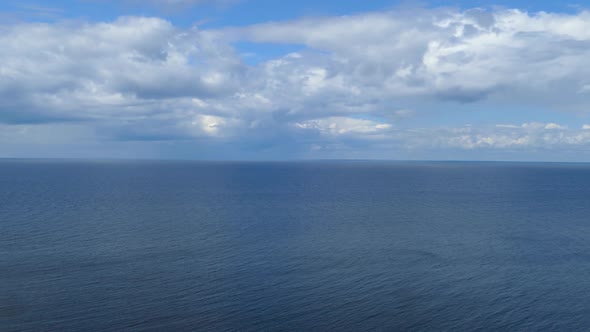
(95, 159)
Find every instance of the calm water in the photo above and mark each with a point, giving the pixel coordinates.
(148, 246)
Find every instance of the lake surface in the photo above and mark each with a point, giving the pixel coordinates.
(308, 246)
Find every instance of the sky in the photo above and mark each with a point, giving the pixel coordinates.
(290, 80)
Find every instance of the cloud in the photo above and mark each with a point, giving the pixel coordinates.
(526, 136)
(446, 54)
(357, 82)
(132, 69)
(335, 126)
(555, 126)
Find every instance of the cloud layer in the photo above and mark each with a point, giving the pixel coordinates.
(362, 85)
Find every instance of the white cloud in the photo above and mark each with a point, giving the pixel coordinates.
(356, 78)
(524, 137)
(554, 126)
(450, 55)
(133, 69)
(335, 126)
(211, 125)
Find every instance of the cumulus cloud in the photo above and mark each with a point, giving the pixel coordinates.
(355, 80)
(444, 54)
(132, 69)
(336, 126)
(521, 137)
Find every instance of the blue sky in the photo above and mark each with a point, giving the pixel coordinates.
(262, 79)
(244, 12)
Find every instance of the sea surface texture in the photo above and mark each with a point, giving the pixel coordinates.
(307, 246)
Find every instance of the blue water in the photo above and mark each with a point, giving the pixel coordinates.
(309, 246)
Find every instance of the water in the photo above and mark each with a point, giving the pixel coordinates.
(149, 246)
